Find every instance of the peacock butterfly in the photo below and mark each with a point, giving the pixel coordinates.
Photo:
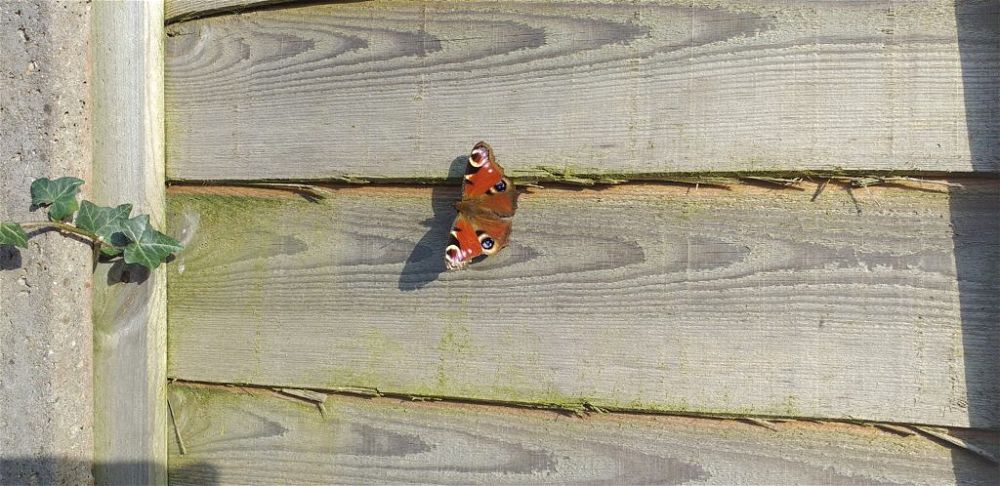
(488, 202)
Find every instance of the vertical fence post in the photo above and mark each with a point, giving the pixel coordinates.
(129, 305)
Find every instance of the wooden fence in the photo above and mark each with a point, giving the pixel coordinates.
(760, 210)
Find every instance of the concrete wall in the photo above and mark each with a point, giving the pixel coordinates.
(46, 405)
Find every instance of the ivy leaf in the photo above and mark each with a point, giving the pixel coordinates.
(13, 234)
(59, 195)
(105, 222)
(147, 246)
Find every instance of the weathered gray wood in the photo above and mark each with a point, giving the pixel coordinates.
(241, 436)
(752, 301)
(130, 317)
(177, 10)
(397, 89)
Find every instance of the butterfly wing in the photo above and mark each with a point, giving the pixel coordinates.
(473, 235)
(486, 185)
(482, 226)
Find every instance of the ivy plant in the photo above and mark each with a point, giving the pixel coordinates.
(112, 230)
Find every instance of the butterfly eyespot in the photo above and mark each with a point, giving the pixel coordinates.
(500, 186)
(487, 243)
(478, 157)
(453, 258)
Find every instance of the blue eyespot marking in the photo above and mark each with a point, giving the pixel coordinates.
(487, 243)
(500, 186)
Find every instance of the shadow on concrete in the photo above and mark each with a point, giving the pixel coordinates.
(55, 470)
(10, 257)
(975, 217)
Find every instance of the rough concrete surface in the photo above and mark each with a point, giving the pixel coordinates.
(46, 405)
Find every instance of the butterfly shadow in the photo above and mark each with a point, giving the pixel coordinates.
(426, 262)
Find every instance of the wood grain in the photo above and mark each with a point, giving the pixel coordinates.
(397, 89)
(241, 436)
(750, 301)
(178, 10)
(129, 317)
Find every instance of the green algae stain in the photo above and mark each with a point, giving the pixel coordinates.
(382, 350)
(791, 408)
(228, 236)
(382, 354)
(454, 347)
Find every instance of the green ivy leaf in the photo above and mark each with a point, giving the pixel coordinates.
(13, 234)
(147, 246)
(105, 222)
(59, 195)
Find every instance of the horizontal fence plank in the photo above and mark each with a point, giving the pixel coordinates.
(241, 436)
(397, 89)
(749, 300)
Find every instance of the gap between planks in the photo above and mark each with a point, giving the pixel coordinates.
(723, 183)
(187, 10)
(860, 188)
(582, 410)
(565, 178)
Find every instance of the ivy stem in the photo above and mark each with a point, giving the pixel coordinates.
(68, 228)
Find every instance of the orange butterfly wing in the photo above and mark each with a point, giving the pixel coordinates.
(489, 200)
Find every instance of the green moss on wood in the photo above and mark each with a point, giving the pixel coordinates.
(455, 344)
